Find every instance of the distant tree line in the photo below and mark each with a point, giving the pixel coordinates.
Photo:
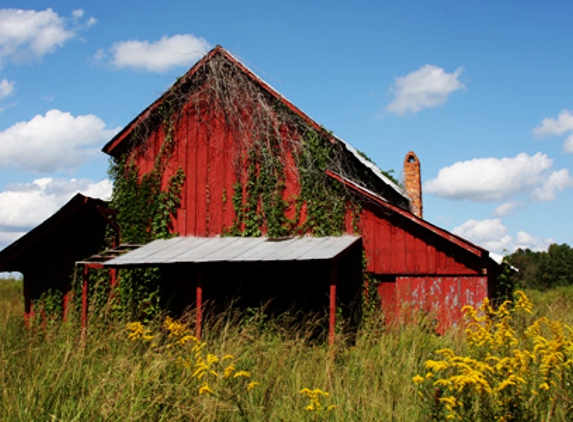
(542, 270)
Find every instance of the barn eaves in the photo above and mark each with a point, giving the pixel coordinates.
(197, 252)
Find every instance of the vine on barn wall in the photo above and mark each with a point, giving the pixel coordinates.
(267, 133)
(145, 212)
(260, 204)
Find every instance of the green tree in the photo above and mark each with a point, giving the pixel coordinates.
(556, 266)
(543, 270)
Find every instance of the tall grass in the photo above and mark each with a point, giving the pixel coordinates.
(58, 374)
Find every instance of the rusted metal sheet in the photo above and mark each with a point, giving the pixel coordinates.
(234, 249)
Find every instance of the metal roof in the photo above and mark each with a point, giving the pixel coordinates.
(234, 249)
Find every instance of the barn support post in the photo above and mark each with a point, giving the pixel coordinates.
(332, 295)
(199, 302)
(85, 297)
(28, 306)
(113, 277)
(66, 304)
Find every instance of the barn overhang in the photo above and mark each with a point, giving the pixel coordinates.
(199, 252)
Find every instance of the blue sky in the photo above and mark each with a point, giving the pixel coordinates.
(480, 90)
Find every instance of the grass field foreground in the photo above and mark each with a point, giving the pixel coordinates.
(245, 368)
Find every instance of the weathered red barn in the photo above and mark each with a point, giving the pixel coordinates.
(229, 133)
(222, 153)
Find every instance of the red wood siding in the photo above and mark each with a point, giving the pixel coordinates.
(440, 299)
(395, 245)
(424, 267)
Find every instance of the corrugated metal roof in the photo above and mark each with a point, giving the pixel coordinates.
(234, 249)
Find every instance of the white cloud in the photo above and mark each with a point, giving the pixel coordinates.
(29, 35)
(490, 234)
(551, 127)
(24, 206)
(526, 241)
(498, 179)
(6, 88)
(159, 56)
(426, 87)
(55, 141)
(557, 127)
(505, 208)
(557, 181)
(7, 238)
(568, 144)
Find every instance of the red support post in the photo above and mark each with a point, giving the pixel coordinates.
(66, 305)
(199, 303)
(85, 298)
(113, 277)
(332, 316)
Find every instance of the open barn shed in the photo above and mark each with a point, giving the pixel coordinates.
(222, 154)
(46, 255)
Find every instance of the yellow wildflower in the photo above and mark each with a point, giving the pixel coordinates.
(228, 371)
(205, 389)
(212, 359)
(252, 385)
(242, 374)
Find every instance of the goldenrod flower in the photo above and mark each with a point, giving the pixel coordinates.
(205, 389)
(252, 385)
(242, 374)
(228, 371)
(212, 359)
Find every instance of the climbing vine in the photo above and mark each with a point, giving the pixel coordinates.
(145, 210)
(272, 145)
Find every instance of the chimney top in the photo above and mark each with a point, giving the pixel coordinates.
(413, 183)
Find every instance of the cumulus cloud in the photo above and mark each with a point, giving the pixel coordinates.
(426, 87)
(490, 234)
(556, 127)
(568, 144)
(557, 181)
(29, 35)
(551, 126)
(526, 241)
(24, 206)
(505, 208)
(498, 179)
(52, 142)
(158, 56)
(6, 88)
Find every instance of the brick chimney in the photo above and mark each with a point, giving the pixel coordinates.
(413, 183)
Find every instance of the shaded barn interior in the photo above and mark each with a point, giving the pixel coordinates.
(301, 276)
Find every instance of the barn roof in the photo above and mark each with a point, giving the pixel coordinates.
(78, 210)
(115, 145)
(197, 250)
(420, 222)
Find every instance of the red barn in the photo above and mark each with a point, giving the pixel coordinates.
(222, 153)
(256, 165)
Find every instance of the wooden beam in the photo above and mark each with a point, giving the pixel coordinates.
(85, 298)
(332, 316)
(199, 302)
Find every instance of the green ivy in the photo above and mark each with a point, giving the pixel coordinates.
(259, 202)
(260, 206)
